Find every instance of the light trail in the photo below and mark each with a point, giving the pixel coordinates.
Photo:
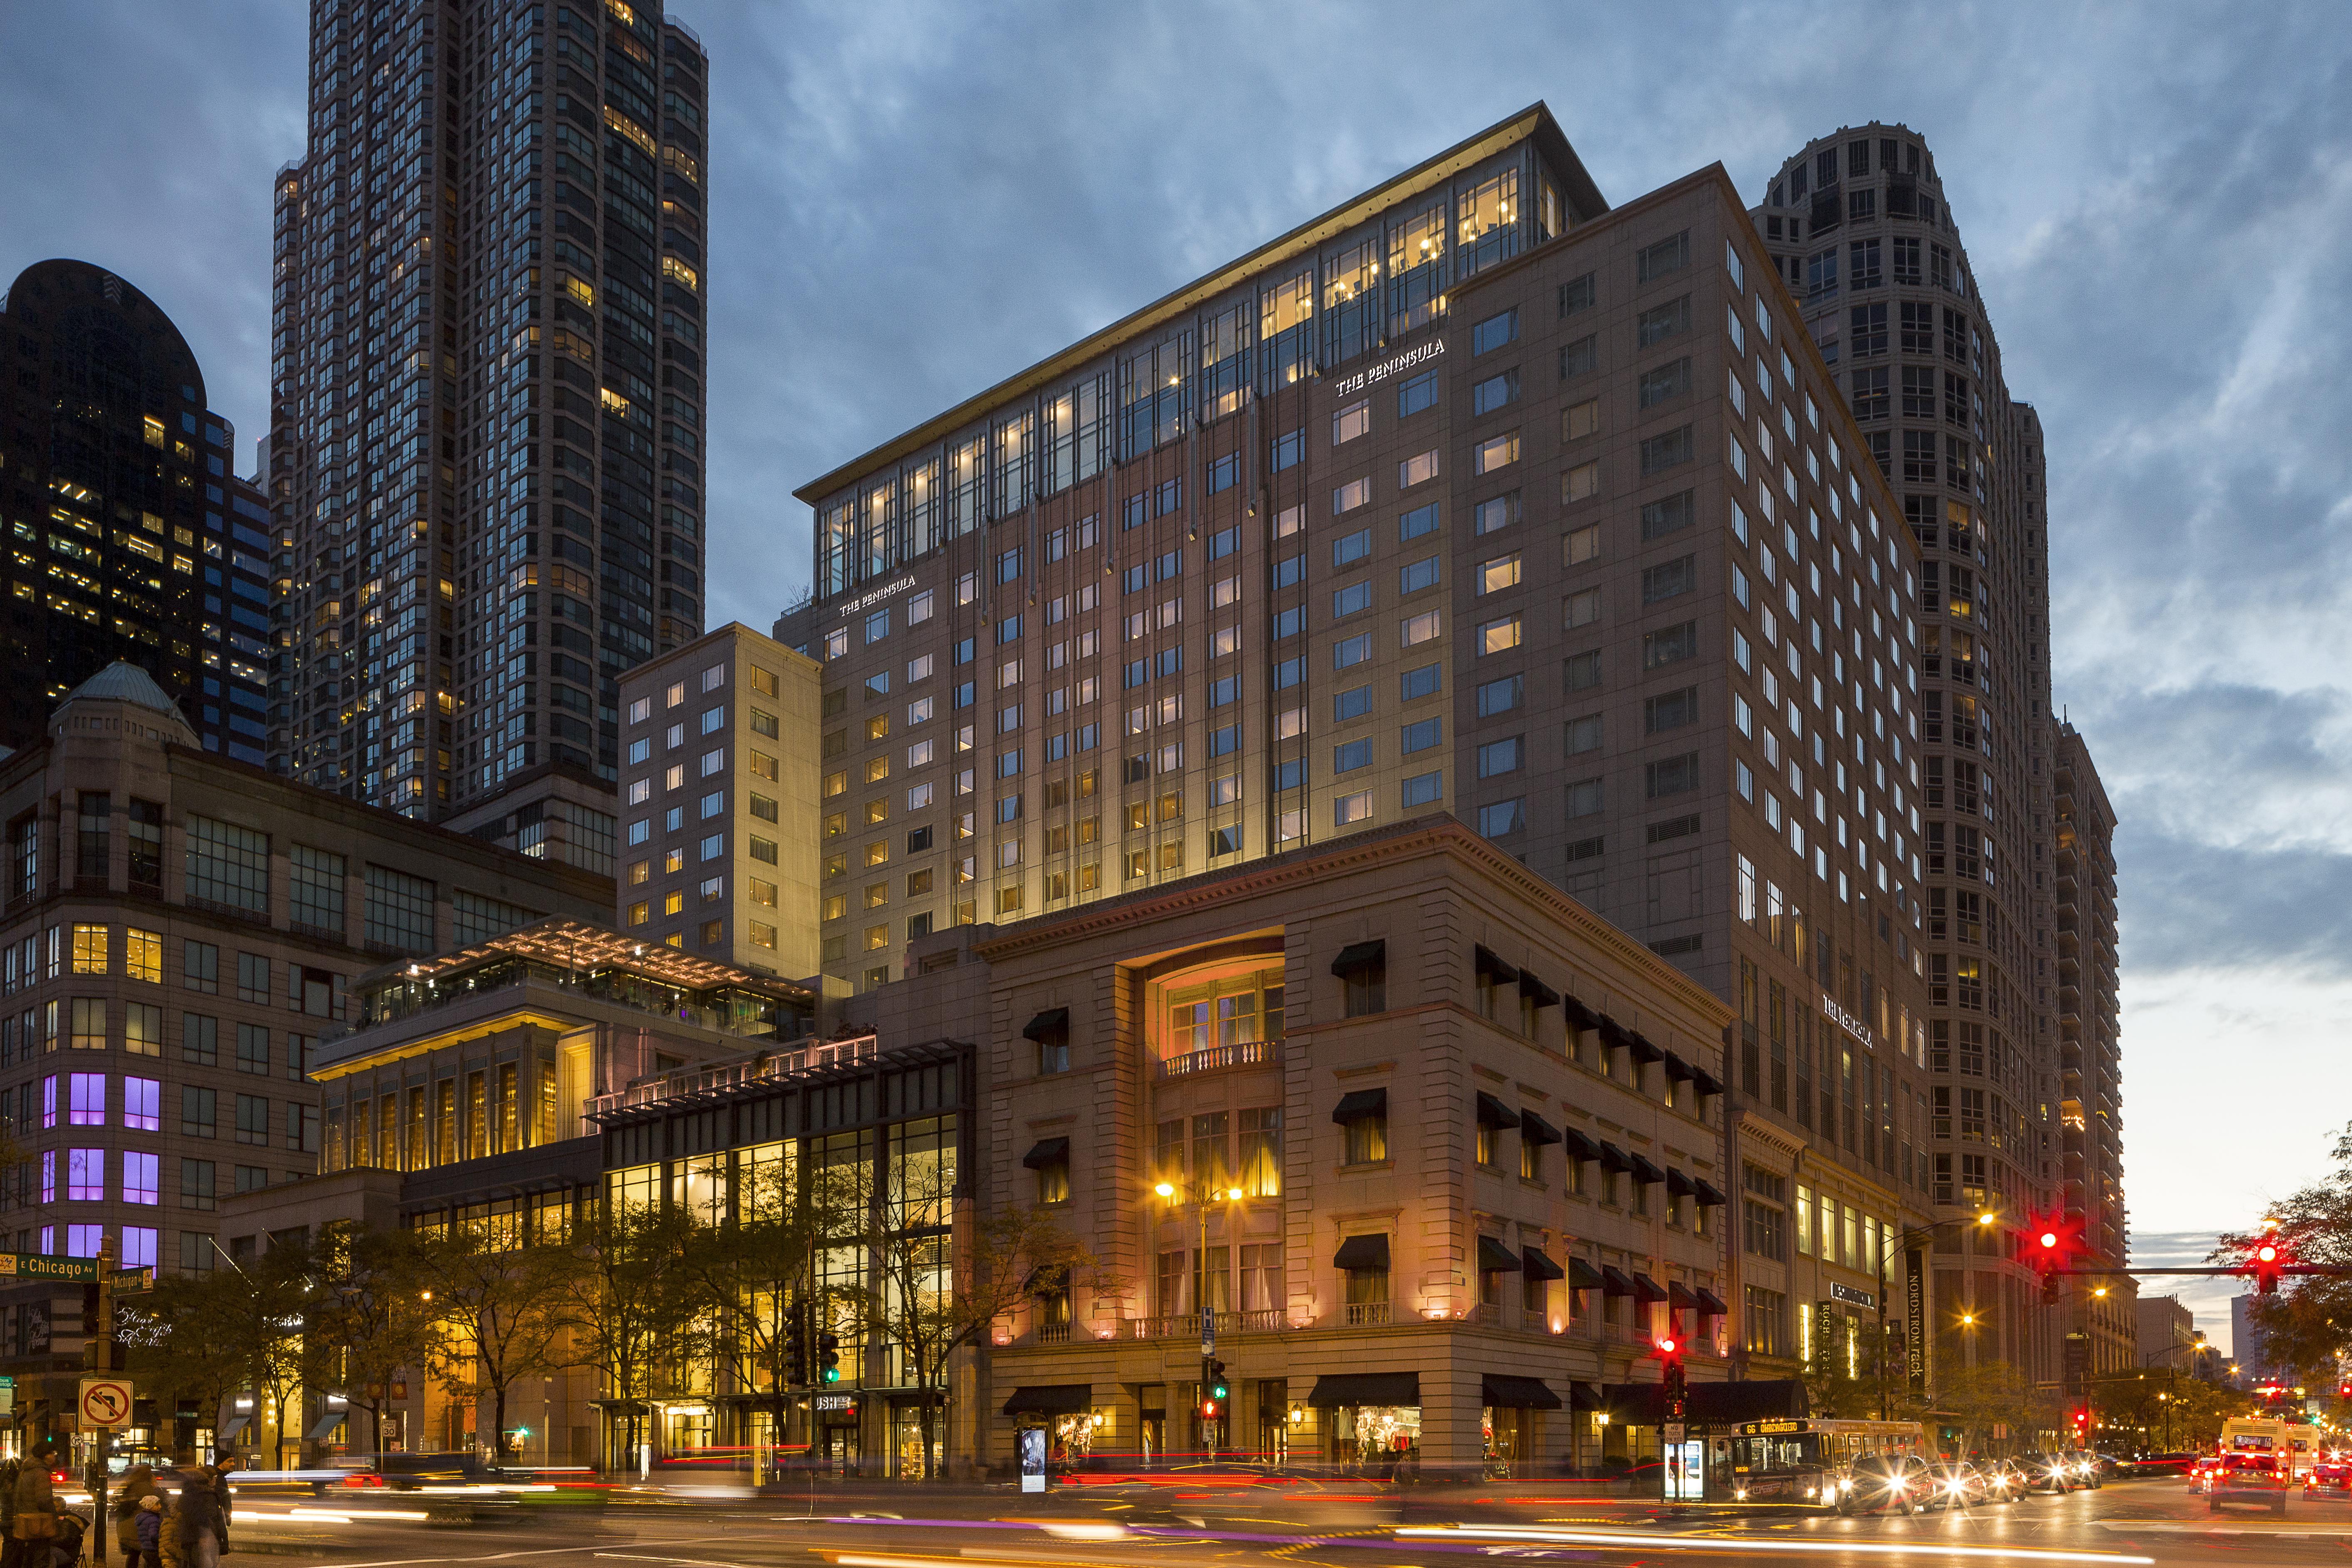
(1638, 1541)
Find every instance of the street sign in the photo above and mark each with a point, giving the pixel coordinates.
(41, 1266)
(1673, 1432)
(105, 1402)
(128, 1281)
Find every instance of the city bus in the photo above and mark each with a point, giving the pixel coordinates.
(2294, 1445)
(1805, 1461)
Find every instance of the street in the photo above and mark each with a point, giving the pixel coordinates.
(2150, 1522)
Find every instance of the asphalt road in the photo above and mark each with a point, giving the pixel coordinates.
(2127, 1523)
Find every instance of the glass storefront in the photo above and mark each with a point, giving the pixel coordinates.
(907, 1441)
(1375, 1438)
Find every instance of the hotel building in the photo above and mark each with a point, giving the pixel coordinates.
(1473, 494)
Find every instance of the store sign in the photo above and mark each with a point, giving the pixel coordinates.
(1914, 1322)
(836, 1403)
(1848, 1294)
(869, 600)
(1387, 368)
(1848, 1022)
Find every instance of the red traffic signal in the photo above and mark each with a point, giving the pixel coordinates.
(1667, 1347)
(2267, 1256)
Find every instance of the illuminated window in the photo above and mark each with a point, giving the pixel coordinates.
(89, 949)
(143, 955)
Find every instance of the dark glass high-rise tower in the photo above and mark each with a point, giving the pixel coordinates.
(487, 391)
(129, 535)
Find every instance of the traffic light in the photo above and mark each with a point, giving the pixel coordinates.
(796, 1365)
(1216, 1389)
(1219, 1388)
(2049, 1247)
(828, 1358)
(1677, 1386)
(2081, 1423)
(2267, 1256)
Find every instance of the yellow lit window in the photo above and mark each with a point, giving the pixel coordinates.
(878, 852)
(673, 902)
(762, 935)
(1171, 857)
(143, 955)
(1057, 884)
(966, 913)
(879, 727)
(1139, 863)
(964, 869)
(672, 267)
(1498, 637)
(638, 912)
(836, 823)
(876, 937)
(836, 906)
(1089, 828)
(836, 866)
(763, 893)
(918, 883)
(1090, 877)
(1008, 901)
(877, 769)
(1171, 807)
(673, 861)
(763, 766)
(638, 871)
(835, 784)
(154, 432)
(674, 939)
(1139, 816)
(763, 682)
(877, 810)
(88, 950)
(1501, 573)
(877, 895)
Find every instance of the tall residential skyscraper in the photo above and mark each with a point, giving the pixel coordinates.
(2090, 1106)
(129, 535)
(1471, 495)
(1858, 224)
(486, 389)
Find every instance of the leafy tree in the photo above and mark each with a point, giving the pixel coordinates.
(750, 1277)
(1829, 1390)
(1993, 1394)
(242, 1326)
(499, 1315)
(371, 1319)
(628, 1300)
(2309, 1323)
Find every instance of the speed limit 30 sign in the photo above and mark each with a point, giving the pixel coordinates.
(105, 1402)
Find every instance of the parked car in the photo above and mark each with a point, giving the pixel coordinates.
(2248, 1479)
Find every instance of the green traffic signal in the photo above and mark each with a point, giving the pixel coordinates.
(833, 1375)
(1219, 1391)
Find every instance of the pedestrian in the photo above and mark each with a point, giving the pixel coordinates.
(138, 1486)
(36, 1517)
(9, 1551)
(201, 1529)
(147, 1528)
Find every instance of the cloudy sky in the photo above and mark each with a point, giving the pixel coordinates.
(912, 201)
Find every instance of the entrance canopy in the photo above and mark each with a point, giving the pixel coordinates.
(1051, 1399)
(1508, 1393)
(1335, 1390)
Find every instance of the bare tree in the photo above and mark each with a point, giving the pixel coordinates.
(371, 1318)
(941, 1278)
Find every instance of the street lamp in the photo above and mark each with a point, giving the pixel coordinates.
(1167, 1191)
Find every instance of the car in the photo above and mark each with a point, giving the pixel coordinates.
(2248, 1479)
(2172, 1465)
(2201, 1471)
(2329, 1477)
(2047, 1472)
(1891, 1483)
(2005, 1480)
(1954, 1482)
(2086, 1468)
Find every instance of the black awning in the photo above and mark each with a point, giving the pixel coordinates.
(1580, 1017)
(1545, 996)
(1495, 968)
(1614, 1034)
(1679, 1297)
(1584, 1396)
(1677, 1069)
(1613, 1281)
(1707, 1083)
(1582, 1276)
(1047, 1152)
(1709, 1199)
(1505, 1392)
(324, 1427)
(1540, 1266)
(1051, 1399)
(1710, 1305)
(1051, 1021)
(1646, 1289)
(1359, 956)
(1648, 1175)
(1677, 1184)
(1612, 1158)
(229, 1429)
(1580, 1145)
(1535, 1130)
(1360, 1105)
(1334, 1389)
(1363, 1252)
(1493, 1112)
(1646, 1049)
(1495, 1257)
